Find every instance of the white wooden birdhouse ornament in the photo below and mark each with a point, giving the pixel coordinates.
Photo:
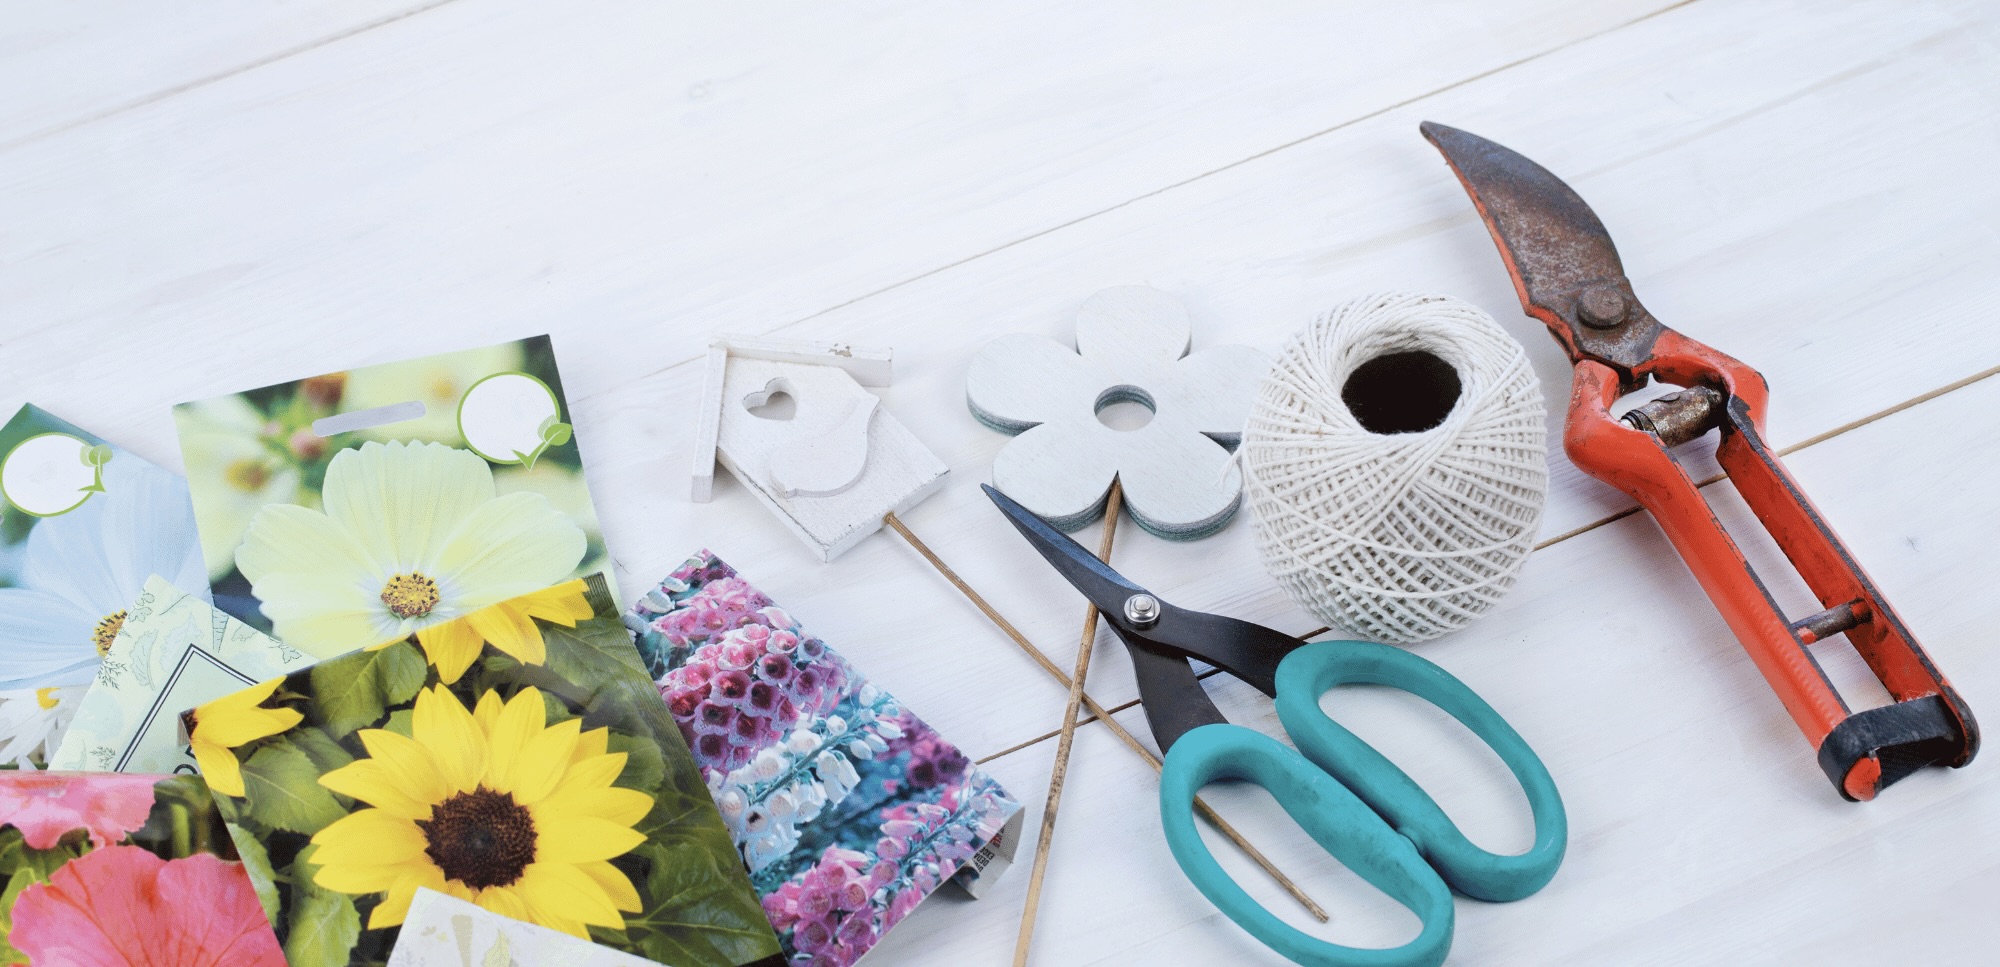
(793, 423)
(1131, 347)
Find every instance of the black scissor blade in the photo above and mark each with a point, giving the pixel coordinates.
(1244, 649)
(1565, 268)
(1169, 692)
(1103, 586)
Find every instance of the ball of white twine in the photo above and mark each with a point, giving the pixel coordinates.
(1398, 537)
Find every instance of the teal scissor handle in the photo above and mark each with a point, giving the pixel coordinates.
(1359, 807)
(1339, 822)
(1311, 671)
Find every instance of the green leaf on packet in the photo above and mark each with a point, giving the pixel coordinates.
(351, 693)
(553, 432)
(15, 884)
(578, 653)
(96, 457)
(257, 863)
(284, 791)
(685, 878)
(325, 925)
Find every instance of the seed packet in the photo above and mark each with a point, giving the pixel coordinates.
(173, 653)
(846, 808)
(353, 508)
(83, 524)
(517, 757)
(103, 868)
(444, 931)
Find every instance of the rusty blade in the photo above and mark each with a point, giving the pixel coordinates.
(1565, 268)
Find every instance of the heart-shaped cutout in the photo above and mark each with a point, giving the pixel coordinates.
(773, 402)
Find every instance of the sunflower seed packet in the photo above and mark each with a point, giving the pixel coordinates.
(173, 653)
(846, 808)
(517, 758)
(103, 868)
(353, 508)
(83, 524)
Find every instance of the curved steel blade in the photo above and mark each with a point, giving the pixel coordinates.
(1105, 587)
(1565, 267)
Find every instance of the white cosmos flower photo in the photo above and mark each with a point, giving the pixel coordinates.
(221, 444)
(411, 535)
(82, 569)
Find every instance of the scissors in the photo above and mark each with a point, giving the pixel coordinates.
(1354, 802)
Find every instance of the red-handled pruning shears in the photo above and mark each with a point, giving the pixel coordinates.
(1568, 275)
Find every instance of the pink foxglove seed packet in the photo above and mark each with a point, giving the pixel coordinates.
(847, 809)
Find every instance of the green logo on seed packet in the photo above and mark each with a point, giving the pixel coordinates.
(511, 418)
(53, 473)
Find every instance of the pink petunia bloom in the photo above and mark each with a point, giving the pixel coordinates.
(121, 906)
(45, 805)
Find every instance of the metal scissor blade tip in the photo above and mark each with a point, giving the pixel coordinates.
(1554, 245)
(1104, 587)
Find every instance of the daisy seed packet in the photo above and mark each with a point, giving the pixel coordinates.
(110, 869)
(353, 508)
(173, 653)
(516, 757)
(83, 525)
(845, 807)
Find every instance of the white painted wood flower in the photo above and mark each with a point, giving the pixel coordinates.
(1131, 347)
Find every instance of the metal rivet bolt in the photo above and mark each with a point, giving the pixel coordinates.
(1601, 306)
(1142, 610)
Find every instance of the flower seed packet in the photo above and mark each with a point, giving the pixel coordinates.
(846, 808)
(103, 869)
(83, 524)
(173, 653)
(444, 931)
(353, 508)
(516, 757)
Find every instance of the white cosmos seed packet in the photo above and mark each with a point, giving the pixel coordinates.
(443, 931)
(173, 653)
(83, 524)
(354, 508)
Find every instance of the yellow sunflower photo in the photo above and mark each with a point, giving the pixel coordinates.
(516, 757)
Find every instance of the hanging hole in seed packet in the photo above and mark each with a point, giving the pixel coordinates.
(511, 418)
(369, 419)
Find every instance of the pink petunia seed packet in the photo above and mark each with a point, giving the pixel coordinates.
(111, 868)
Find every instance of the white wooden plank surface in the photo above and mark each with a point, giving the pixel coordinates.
(84, 62)
(1806, 186)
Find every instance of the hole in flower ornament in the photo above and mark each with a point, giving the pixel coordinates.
(1131, 350)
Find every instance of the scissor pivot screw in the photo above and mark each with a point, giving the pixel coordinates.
(1601, 306)
(1142, 610)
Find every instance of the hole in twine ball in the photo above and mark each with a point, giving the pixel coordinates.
(1406, 392)
(1125, 408)
(1395, 465)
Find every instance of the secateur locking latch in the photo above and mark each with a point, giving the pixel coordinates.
(1568, 275)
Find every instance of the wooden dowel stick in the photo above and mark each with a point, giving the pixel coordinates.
(1066, 738)
(1097, 711)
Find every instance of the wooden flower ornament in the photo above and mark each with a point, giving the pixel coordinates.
(1131, 346)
